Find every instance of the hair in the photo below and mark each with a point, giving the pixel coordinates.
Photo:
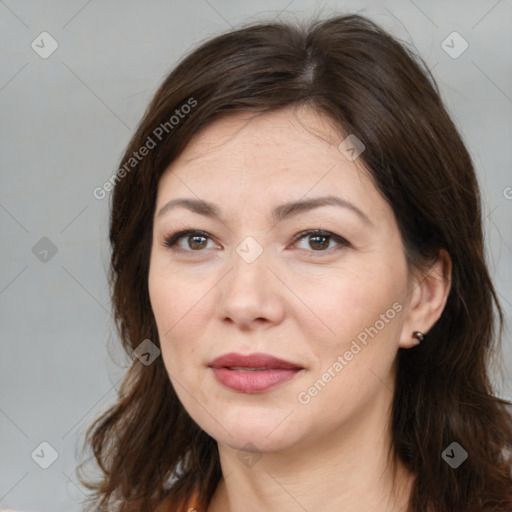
(369, 84)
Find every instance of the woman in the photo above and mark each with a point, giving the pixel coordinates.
(298, 274)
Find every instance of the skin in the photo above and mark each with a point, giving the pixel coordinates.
(304, 301)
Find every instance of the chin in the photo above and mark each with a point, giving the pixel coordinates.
(265, 434)
(256, 441)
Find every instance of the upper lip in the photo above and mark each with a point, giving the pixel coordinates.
(256, 360)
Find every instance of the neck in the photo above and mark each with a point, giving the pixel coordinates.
(350, 470)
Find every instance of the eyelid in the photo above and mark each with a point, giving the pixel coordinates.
(342, 242)
(171, 240)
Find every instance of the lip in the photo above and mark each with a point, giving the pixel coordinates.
(255, 360)
(252, 373)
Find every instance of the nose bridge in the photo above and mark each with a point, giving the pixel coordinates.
(250, 250)
(247, 293)
(249, 264)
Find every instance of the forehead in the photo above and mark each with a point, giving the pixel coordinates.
(255, 162)
(287, 127)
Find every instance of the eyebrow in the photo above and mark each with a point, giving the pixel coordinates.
(278, 214)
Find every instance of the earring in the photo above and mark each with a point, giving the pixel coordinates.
(418, 335)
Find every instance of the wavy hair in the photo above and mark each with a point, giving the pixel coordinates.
(371, 85)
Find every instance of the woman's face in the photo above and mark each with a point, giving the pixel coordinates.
(334, 306)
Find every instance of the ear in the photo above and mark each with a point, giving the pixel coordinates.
(427, 298)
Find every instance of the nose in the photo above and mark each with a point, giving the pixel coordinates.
(251, 294)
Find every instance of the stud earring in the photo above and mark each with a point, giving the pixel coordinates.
(418, 335)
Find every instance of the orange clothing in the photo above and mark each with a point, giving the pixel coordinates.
(166, 505)
(192, 505)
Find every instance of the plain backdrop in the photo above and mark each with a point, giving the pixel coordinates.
(65, 120)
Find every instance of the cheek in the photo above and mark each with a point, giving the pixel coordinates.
(178, 305)
(168, 301)
(362, 309)
(354, 365)
(342, 304)
(172, 296)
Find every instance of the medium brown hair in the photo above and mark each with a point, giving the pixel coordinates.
(375, 87)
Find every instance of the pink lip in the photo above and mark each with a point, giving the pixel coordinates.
(276, 371)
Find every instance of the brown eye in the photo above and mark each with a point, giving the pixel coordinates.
(195, 240)
(319, 240)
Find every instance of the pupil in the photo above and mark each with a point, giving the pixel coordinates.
(195, 238)
(314, 239)
(320, 237)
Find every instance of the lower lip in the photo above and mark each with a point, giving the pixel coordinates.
(252, 381)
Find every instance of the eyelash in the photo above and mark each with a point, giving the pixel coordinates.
(170, 240)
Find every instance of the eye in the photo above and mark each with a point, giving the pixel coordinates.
(320, 240)
(196, 240)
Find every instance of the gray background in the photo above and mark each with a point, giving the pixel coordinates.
(65, 121)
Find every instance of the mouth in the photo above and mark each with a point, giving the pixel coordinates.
(242, 369)
(253, 373)
(256, 362)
